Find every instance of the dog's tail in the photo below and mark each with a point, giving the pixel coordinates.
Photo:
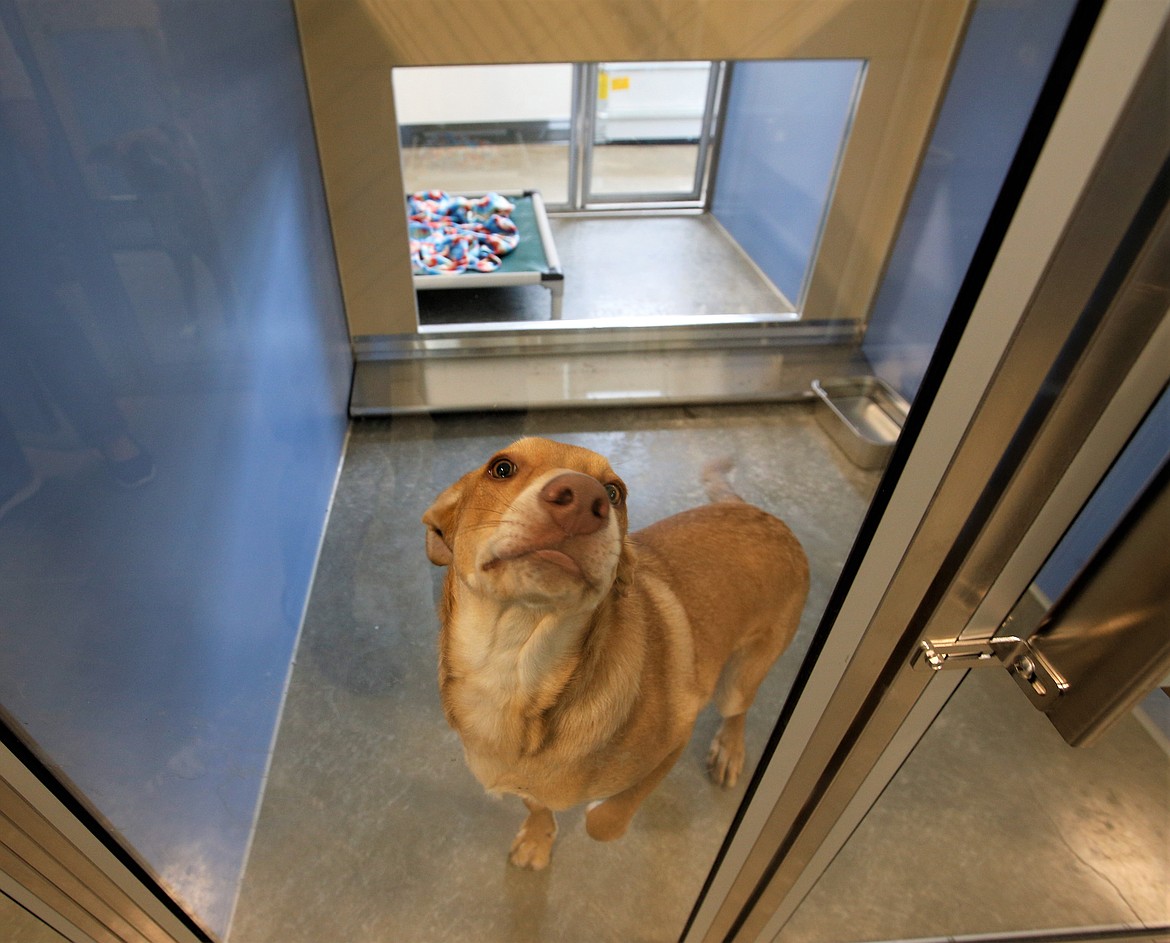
(714, 478)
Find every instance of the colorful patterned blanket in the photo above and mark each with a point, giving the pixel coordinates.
(453, 234)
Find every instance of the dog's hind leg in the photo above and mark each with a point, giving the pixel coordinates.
(608, 819)
(532, 846)
(740, 679)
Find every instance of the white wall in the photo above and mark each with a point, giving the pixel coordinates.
(483, 93)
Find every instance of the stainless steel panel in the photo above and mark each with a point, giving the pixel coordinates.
(1109, 635)
(66, 876)
(610, 335)
(864, 416)
(576, 363)
(391, 387)
(1105, 297)
(537, 381)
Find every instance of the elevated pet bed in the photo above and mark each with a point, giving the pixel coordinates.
(533, 261)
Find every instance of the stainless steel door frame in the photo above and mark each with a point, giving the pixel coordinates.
(580, 133)
(53, 864)
(710, 136)
(970, 473)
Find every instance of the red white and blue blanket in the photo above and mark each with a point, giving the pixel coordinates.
(453, 234)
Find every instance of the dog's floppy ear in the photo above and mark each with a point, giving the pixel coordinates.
(440, 522)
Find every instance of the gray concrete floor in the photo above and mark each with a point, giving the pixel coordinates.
(372, 830)
(626, 267)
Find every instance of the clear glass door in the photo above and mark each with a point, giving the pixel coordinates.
(650, 131)
(914, 790)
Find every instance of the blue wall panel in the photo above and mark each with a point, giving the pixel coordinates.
(1006, 54)
(783, 132)
(174, 370)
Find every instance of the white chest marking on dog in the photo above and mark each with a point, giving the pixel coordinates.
(511, 660)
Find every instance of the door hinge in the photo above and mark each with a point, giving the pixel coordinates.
(1035, 675)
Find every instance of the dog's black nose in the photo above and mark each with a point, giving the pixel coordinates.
(576, 502)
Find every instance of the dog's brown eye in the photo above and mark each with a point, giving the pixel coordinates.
(615, 494)
(502, 468)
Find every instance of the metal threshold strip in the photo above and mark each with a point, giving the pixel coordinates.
(548, 365)
(602, 335)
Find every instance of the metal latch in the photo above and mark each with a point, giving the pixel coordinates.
(1033, 672)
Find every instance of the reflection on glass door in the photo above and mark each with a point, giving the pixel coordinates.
(174, 367)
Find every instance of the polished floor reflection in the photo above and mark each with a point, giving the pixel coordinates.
(372, 829)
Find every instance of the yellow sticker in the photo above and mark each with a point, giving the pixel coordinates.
(621, 83)
(602, 86)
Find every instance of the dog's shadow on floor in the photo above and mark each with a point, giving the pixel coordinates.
(527, 893)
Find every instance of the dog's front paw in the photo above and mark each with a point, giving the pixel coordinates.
(725, 759)
(532, 846)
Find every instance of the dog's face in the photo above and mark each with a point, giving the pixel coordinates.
(540, 524)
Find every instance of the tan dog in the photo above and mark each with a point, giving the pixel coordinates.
(574, 657)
